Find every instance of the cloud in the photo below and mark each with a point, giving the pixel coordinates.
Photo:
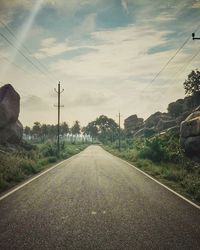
(34, 103)
(8, 8)
(50, 48)
(87, 26)
(125, 5)
(118, 54)
(90, 98)
(196, 5)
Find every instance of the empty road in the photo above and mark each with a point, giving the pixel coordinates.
(96, 201)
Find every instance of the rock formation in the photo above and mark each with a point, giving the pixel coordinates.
(190, 133)
(11, 130)
(132, 124)
(158, 121)
(181, 108)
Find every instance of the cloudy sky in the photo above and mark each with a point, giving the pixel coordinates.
(105, 53)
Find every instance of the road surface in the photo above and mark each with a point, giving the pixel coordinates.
(96, 201)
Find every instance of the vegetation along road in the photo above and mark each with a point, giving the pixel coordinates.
(97, 201)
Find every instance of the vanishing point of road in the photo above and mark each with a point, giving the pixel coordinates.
(97, 201)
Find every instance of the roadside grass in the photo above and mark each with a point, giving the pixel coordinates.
(181, 174)
(22, 164)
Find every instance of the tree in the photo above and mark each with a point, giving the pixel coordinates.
(36, 130)
(27, 130)
(103, 128)
(192, 84)
(91, 129)
(44, 131)
(107, 128)
(76, 129)
(64, 128)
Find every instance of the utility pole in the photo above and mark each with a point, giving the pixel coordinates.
(119, 131)
(58, 128)
(195, 38)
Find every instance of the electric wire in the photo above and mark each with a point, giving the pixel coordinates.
(26, 49)
(22, 54)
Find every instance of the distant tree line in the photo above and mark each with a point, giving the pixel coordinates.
(103, 129)
(44, 131)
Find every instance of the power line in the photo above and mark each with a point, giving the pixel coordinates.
(25, 48)
(19, 67)
(171, 59)
(168, 62)
(177, 74)
(16, 65)
(27, 59)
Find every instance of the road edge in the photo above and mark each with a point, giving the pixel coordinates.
(158, 182)
(20, 186)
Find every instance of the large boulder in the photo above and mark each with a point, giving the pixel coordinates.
(190, 134)
(153, 120)
(190, 127)
(175, 109)
(165, 124)
(11, 130)
(192, 145)
(182, 117)
(9, 105)
(133, 124)
(12, 133)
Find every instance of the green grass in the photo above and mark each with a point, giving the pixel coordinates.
(181, 174)
(21, 164)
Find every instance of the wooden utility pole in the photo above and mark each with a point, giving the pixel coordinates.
(119, 131)
(58, 127)
(195, 38)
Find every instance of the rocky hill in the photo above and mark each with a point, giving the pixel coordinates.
(183, 117)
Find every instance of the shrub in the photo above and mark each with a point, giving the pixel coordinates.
(52, 159)
(49, 149)
(153, 150)
(173, 175)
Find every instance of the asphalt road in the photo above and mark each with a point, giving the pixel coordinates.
(96, 201)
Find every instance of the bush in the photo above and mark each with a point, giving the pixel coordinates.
(173, 175)
(28, 167)
(164, 148)
(49, 149)
(52, 159)
(153, 150)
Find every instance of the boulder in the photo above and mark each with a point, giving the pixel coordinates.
(174, 130)
(12, 133)
(175, 109)
(182, 117)
(193, 115)
(153, 120)
(133, 124)
(9, 105)
(190, 134)
(190, 127)
(192, 145)
(163, 124)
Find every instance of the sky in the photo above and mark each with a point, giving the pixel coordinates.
(105, 53)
